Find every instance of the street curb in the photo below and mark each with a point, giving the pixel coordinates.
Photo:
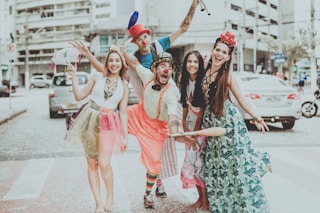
(13, 115)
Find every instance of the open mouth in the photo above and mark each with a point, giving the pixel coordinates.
(164, 78)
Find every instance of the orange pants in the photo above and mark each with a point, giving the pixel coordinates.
(150, 133)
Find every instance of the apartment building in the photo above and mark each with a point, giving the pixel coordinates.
(42, 27)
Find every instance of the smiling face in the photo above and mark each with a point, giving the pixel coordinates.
(114, 63)
(163, 73)
(220, 54)
(192, 66)
(143, 43)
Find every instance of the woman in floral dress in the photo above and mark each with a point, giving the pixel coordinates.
(232, 168)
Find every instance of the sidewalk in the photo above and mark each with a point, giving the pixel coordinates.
(8, 108)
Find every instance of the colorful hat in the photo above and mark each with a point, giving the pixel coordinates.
(162, 57)
(136, 30)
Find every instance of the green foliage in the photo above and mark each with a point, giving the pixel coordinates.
(298, 46)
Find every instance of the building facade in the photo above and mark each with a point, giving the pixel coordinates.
(40, 28)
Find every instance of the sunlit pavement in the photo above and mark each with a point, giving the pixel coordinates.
(60, 184)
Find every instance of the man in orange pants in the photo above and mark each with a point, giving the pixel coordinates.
(155, 116)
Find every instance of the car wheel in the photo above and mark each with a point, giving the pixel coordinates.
(288, 124)
(309, 109)
(47, 86)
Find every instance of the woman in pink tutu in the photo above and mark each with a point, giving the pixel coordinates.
(99, 127)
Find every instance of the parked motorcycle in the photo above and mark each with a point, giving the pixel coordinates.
(310, 108)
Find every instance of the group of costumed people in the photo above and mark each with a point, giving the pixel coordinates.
(219, 158)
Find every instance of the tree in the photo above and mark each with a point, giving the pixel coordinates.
(298, 46)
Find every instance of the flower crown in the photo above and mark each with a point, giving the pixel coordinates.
(229, 39)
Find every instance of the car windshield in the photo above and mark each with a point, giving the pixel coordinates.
(262, 82)
(65, 80)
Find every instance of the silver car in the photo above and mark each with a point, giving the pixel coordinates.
(40, 81)
(61, 99)
(271, 97)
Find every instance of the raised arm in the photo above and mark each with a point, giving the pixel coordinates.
(85, 52)
(131, 60)
(86, 90)
(184, 26)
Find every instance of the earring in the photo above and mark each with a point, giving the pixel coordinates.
(225, 65)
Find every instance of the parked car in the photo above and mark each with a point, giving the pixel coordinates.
(61, 99)
(40, 81)
(271, 97)
(133, 98)
(4, 88)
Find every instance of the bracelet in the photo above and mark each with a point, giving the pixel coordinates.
(255, 118)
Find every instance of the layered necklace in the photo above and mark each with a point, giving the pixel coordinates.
(110, 87)
(206, 84)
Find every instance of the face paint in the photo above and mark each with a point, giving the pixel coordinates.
(144, 42)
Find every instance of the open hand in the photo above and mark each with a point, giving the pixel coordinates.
(80, 47)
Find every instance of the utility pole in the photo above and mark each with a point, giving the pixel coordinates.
(280, 36)
(313, 52)
(255, 37)
(242, 38)
(27, 72)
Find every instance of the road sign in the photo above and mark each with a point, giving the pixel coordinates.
(11, 51)
(279, 58)
(10, 48)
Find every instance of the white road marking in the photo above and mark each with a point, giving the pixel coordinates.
(29, 182)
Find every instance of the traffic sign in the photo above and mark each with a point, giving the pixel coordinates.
(11, 48)
(11, 51)
(279, 58)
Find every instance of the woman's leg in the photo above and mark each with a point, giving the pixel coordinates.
(94, 181)
(107, 177)
(197, 204)
(204, 199)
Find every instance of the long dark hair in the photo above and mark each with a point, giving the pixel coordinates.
(185, 76)
(222, 93)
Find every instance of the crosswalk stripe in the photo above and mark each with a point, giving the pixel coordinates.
(297, 160)
(121, 198)
(29, 183)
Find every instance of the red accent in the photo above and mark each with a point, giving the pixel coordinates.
(254, 96)
(51, 93)
(137, 30)
(228, 38)
(293, 96)
(144, 42)
(166, 71)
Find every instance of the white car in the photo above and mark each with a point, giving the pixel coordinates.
(271, 97)
(61, 98)
(40, 81)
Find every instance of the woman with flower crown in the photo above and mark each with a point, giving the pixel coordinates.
(232, 168)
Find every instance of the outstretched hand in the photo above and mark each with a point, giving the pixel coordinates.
(261, 125)
(80, 47)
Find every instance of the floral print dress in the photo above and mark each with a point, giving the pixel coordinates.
(232, 168)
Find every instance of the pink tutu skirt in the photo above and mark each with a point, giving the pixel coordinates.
(98, 129)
